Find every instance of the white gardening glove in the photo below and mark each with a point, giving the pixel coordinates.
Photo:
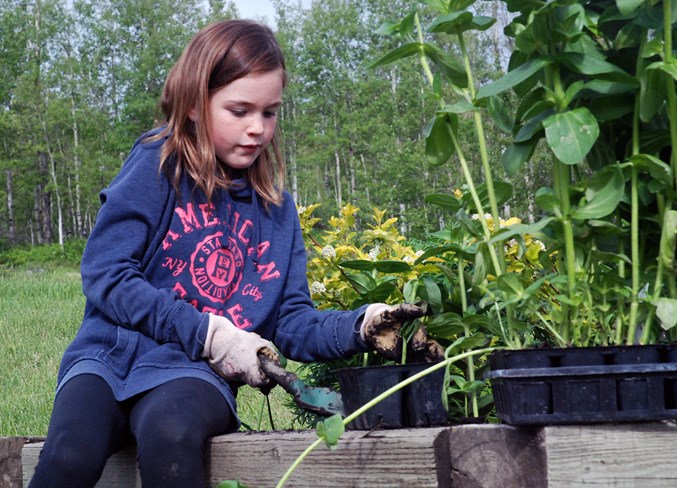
(381, 330)
(233, 353)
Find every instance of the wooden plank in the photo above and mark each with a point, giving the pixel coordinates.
(622, 455)
(384, 458)
(484, 456)
(10, 461)
(120, 470)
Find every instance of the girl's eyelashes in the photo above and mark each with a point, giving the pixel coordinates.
(241, 113)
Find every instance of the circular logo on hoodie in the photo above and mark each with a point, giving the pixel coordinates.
(216, 267)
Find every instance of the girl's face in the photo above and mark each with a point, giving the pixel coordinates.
(243, 117)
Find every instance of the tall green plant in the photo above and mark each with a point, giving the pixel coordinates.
(595, 83)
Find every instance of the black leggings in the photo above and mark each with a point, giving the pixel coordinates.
(170, 424)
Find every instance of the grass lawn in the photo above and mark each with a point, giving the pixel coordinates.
(40, 312)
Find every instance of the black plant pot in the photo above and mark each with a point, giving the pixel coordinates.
(585, 385)
(418, 404)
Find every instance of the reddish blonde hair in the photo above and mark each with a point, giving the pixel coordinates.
(218, 55)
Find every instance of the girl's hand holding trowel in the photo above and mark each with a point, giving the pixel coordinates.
(233, 353)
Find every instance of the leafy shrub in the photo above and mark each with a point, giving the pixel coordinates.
(44, 256)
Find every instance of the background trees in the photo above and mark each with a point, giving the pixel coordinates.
(79, 82)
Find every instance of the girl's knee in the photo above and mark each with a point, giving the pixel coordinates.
(64, 462)
(170, 457)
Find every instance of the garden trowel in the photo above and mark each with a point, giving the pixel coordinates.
(319, 400)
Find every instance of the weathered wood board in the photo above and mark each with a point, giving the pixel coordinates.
(385, 458)
(621, 456)
(470, 456)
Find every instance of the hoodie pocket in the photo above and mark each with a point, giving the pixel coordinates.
(121, 357)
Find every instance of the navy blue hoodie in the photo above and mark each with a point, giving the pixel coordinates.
(157, 263)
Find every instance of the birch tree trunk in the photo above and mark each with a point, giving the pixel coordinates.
(55, 183)
(337, 183)
(11, 226)
(42, 207)
(76, 168)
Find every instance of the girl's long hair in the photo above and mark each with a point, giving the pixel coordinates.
(218, 55)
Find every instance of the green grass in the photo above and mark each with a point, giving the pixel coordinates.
(40, 313)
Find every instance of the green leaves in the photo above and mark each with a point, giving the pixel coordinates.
(331, 429)
(231, 484)
(513, 78)
(571, 134)
(397, 54)
(666, 311)
(384, 266)
(438, 138)
(603, 194)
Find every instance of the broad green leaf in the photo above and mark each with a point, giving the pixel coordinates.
(652, 48)
(666, 311)
(450, 23)
(388, 28)
(440, 250)
(603, 194)
(512, 78)
(668, 244)
(517, 230)
(500, 114)
(445, 201)
(450, 66)
(439, 5)
(359, 264)
(533, 127)
(571, 134)
(381, 292)
(534, 37)
(231, 484)
(331, 429)
(547, 200)
(510, 284)
(609, 87)
(396, 54)
(571, 92)
(669, 67)
(460, 21)
(445, 325)
(658, 169)
(626, 7)
(591, 65)
(652, 93)
(516, 154)
(534, 98)
(502, 193)
(438, 143)
(459, 107)
(408, 25)
(385, 266)
(482, 23)
(363, 283)
(465, 343)
(431, 293)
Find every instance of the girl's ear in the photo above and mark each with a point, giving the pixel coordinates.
(192, 115)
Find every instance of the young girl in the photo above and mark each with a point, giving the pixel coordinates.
(196, 262)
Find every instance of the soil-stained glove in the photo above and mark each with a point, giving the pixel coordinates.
(233, 352)
(381, 330)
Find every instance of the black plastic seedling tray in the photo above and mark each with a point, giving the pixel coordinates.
(418, 404)
(585, 385)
